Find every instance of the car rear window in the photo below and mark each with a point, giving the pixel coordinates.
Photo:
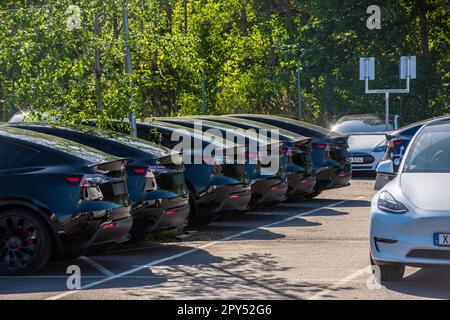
(14, 155)
(75, 149)
(364, 125)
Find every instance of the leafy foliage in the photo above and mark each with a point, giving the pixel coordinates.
(249, 50)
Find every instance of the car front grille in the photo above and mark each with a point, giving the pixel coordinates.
(429, 254)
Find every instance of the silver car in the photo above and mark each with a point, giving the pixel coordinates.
(366, 139)
(410, 216)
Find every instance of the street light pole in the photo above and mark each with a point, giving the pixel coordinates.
(299, 93)
(128, 69)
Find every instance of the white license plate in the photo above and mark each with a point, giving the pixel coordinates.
(441, 239)
(356, 159)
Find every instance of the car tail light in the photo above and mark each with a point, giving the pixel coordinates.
(110, 226)
(150, 179)
(139, 170)
(90, 186)
(235, 196)
(171, 212)
(323, 146)
(320, 146)
(251, 155)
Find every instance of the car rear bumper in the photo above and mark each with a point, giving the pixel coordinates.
(300, 184)
(331, 177)
(238, 199)
(153, 215)
(268, 190)
(85, 231)
(219, 198)
(408, 238)
(175, 217)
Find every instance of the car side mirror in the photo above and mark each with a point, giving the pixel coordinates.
(386, 167)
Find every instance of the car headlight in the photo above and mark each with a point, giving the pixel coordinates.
(380, 149)
(387, 203)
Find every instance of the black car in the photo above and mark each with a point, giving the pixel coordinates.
(329, 150)
(214, 186)
(155, 177)
(267, 186)
(295, 156)
(57, 197)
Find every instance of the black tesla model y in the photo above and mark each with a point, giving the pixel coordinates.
(57, 198)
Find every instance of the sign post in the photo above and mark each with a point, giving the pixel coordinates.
(367, 72)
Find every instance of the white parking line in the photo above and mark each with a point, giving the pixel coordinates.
(341, 283)
(97, 266)
(182, 254)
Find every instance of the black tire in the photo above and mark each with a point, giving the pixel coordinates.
(312, 194)
(25, 242)
(390, 272)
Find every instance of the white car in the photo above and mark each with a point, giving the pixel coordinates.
(410, 216)
(366, 139)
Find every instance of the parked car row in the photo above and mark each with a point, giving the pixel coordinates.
(68, 190)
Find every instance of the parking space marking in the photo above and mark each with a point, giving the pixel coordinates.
(341, 283)
(182, 254)
(97, 266)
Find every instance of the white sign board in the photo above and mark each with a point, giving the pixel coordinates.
(404, 67)
(370, 68)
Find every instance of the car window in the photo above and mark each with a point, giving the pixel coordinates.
(13, 155)
(367, 125)
(430, 151)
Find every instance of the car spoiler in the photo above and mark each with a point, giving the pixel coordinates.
(106, 167)
(302, 142)
(171, 158)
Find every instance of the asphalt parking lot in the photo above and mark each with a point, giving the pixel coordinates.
(316, 249)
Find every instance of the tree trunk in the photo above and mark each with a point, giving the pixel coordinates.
(98, 67)
(424, 30)
(244, 21)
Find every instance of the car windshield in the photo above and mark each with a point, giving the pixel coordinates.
(362, 125)
(430, 151)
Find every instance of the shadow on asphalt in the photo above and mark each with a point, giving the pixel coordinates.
(240, 277)
(426, 282)
(53, 278)
(364, 175)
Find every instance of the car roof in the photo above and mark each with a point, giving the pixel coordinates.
(363, 116)
(45, 141)
(134, 146)
(204, 137)
(220, 126)
(323, 132)
(418, 124)
(284, 134)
